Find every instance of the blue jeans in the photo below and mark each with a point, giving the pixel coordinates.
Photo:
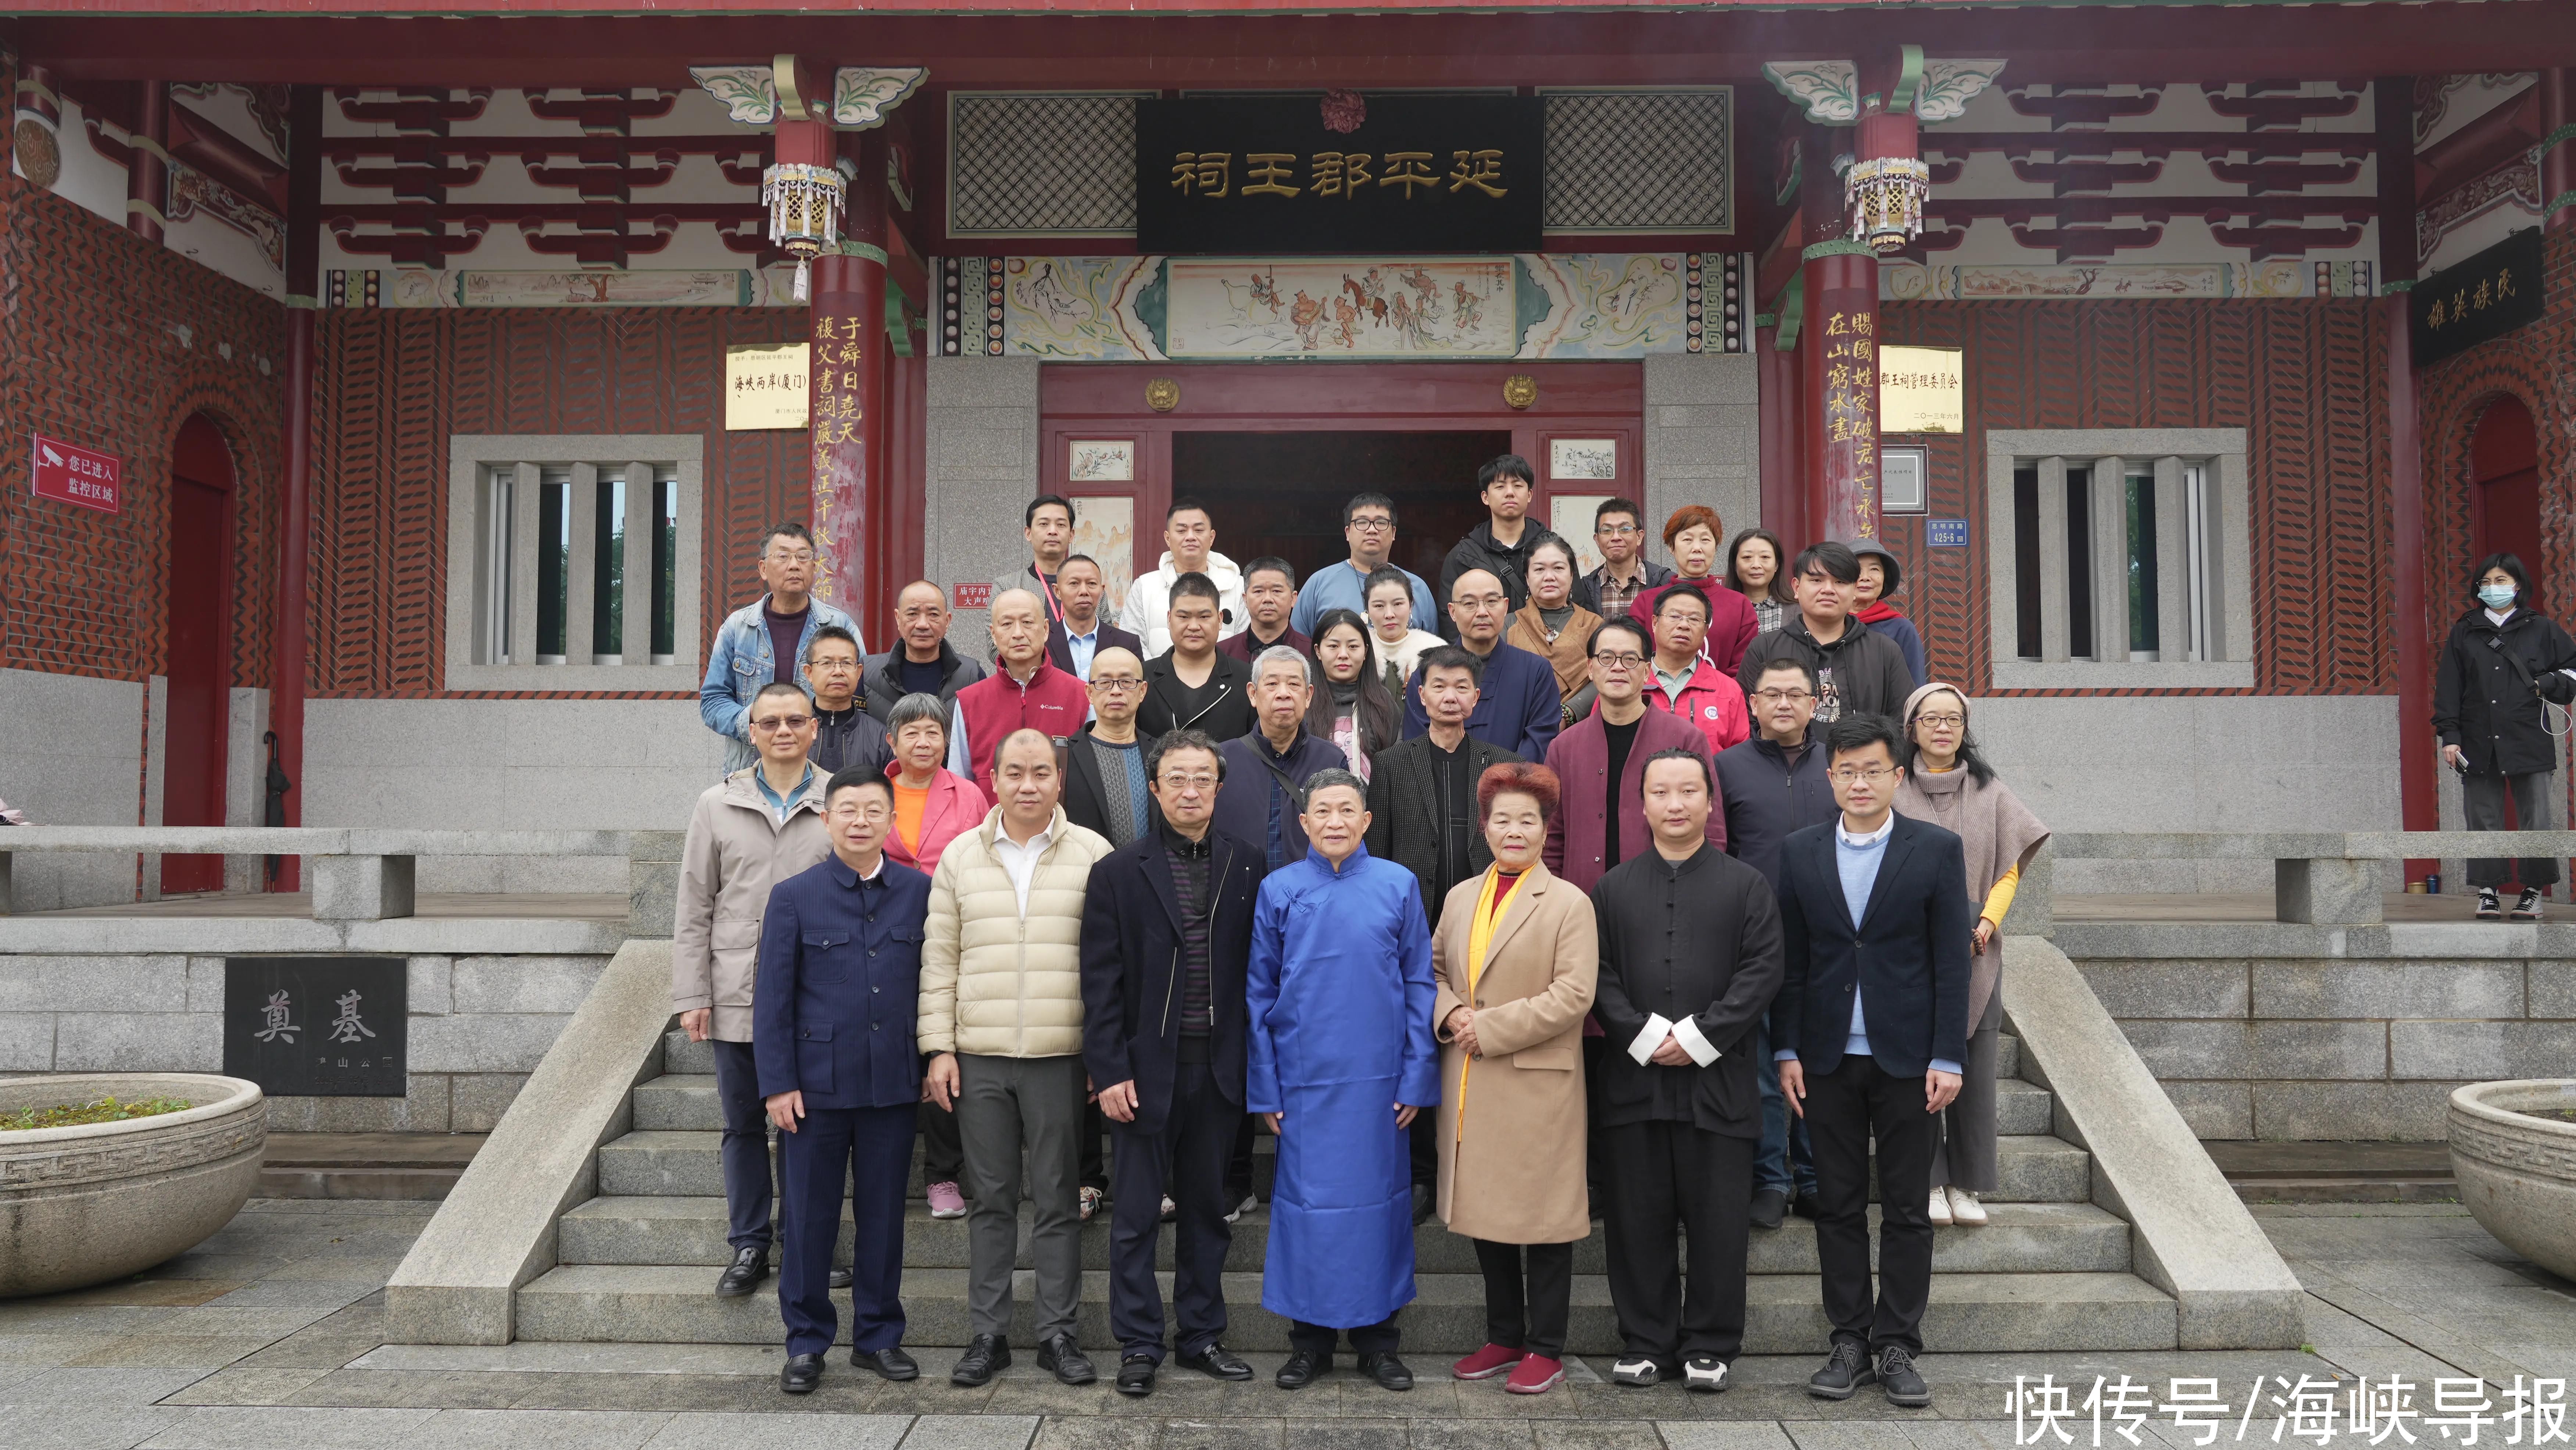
(1784, 1150)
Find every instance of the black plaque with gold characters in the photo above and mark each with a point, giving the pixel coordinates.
(317, 1026)
(2476, 301)
(1268, 176)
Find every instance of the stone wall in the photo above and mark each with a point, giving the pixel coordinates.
(1701, 441)
(479, 1025)
(979, 470)
(2353, 1048)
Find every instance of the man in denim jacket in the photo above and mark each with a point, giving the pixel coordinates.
(746, 654)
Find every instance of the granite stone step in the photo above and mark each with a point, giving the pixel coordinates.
(2022, 1238)
(687, 1103)
(2029, 1168)
(1988, 1313)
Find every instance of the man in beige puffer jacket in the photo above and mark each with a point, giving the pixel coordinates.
(1001, 1017)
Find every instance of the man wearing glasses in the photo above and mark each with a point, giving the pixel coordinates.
(754, 829)
(1625, 571)
(1601, 758)
(1869, 1029)
(1166, 940)
(765, 641)
(1368, 525)
(1774, 786)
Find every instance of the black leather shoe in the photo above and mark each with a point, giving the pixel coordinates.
(1303, 1368)
(890, 1362)
(986, 1356)
(1845, 1372)
(840, 1279)
(750, 1265)
(1387, 1370)
(1807, 1205)
(1426, 1199)
(1897, 1378)
(1063, 1358)
(1768, 1206)
(1218, 1363)
(801, 1374)
(1136, 1376)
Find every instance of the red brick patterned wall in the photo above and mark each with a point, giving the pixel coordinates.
(111, 342)
(395, 385)
(2536, 365)
(2303, 378)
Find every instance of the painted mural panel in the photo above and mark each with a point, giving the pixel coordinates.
(1428, 307)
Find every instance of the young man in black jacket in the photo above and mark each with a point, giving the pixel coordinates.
(1869, 1030)
(1501, 544)
(1166, 940)
(1690, 959)
(1857, 671)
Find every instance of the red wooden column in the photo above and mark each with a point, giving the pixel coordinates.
(2418, 787)
(287, 676)
(1838, 391)
(147, 168)
(1783, 492)
(848, 378)
(2557, 148)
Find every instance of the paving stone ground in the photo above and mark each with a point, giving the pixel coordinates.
(268, 1337)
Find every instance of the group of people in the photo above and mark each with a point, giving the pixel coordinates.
(1657, 894)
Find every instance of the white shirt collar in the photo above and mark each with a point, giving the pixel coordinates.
(1843, 833)
(2495, 618)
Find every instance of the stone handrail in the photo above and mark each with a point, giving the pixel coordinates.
(2319, 878)
(356, 873)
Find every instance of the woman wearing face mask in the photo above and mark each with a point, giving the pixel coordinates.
(1390, 606)
(1753, 570)
(1354, 709)
(2502, 661)
(1691, 533)
(1555, 628)
(1950, 785)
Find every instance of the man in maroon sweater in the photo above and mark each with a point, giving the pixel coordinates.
(1601, 759)
(1024, 692)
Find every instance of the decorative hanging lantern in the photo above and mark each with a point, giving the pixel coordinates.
(805, 213)
(1887, 195)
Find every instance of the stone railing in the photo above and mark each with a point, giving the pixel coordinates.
(366, 873)
(2319, 878)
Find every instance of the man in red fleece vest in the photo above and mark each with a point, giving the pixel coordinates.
(1026, 692)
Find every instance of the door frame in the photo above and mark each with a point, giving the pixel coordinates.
(1110, 402)
(194, 462)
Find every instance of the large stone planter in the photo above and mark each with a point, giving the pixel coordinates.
(2517, 1172)
(84, 1205)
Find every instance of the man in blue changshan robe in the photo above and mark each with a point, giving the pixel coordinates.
(1341, 994)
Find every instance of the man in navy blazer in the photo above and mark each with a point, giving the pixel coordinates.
(832, 1033)
(1517, 705)
(1166, 940)
(1869, 1030)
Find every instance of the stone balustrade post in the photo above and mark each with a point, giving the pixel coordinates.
(361, 888)
(2326, 891)
(653, 882)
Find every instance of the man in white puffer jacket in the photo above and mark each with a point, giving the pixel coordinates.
(1189, 547)
(1001, 1018)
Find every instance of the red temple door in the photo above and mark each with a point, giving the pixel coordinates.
(199, 591)
(2505, 503)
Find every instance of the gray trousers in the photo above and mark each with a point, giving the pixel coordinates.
(2535, 808)
(1963, 1156)
(1006, 1105)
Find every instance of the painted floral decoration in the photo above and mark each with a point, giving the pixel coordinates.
(1344, 111)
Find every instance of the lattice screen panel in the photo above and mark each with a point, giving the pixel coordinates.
(1641, 161)
(1030, 163)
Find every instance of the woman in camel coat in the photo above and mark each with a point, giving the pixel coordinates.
(1516, 953)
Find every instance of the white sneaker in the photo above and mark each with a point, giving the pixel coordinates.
(1704, 1373)
(1636, 1374)
(1965, 1209)
(1940, 1205)
(1250, 1202)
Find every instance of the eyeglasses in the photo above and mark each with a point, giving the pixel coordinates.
(1117, 687)
(1783, 697)
(1204, 780)
(873, 815)
(1371, 526)
(783, 722)
(1615, 531)
(1941, 722)
(1849, 775)
(1620, 661)
(801, 556)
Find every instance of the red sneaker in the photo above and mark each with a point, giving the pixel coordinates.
(1535, 1375)
(1486, 1363)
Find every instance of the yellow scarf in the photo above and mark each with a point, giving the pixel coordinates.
(1491, 903)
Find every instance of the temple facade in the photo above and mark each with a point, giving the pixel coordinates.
(403, 400)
